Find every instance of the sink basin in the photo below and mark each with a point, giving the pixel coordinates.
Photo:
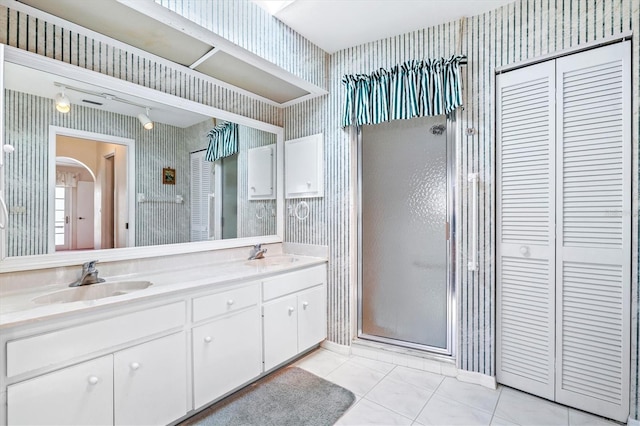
(272, 261)
(92, 292)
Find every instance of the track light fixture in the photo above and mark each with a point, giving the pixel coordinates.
(63, 104)
(145, 120)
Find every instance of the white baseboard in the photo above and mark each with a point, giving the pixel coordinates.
(478, 379)
(633, 422)
(337, 348)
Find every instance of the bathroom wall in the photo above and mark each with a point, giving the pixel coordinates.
(44, 38)
(524, 29)
(513, 33)
(255, 217)
(27, 121)
(252, 28)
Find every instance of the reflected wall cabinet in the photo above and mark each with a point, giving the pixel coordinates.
(303, 167)
(261, 173)
(564, 229)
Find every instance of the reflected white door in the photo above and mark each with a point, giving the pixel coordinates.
(84, 216)
(62, 218)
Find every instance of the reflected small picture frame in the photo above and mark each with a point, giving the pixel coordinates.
(168, 176)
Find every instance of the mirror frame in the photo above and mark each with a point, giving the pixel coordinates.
(33, 60)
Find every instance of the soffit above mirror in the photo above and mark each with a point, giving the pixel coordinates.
(174, 39)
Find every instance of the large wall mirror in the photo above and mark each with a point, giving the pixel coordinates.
(102, 168)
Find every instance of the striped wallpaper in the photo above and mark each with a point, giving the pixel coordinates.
(27, 122)
(248, 224)
(252, 28)
(37, 36)
(255, 217)
(518, 31)
(521, 30)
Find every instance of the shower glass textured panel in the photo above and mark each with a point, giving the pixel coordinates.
(404, 247)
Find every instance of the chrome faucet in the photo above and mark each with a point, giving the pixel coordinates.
(257, 252)
(89, 275)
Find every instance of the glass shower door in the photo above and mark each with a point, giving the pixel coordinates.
(404, 281)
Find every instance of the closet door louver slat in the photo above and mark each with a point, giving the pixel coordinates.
(525, 346)
(594, 230)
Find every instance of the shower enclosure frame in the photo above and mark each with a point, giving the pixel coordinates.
(450, 227)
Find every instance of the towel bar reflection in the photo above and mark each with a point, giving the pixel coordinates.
(473, 249)
(142, 198)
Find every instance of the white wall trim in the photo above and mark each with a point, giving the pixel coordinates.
(633, 422)
(477, 379)
(335, 347)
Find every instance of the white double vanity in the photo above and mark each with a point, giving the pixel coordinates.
(154, 355)
(183, 318)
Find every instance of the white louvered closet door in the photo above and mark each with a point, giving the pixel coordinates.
(201, 189)
(564, 229)
(525, 229)
(593, 240)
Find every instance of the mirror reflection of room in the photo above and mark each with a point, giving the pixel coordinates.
(90, 175)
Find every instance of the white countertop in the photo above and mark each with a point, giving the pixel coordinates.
(17, 307)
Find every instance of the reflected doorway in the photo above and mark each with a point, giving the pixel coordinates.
(91, 186)
(74, 205)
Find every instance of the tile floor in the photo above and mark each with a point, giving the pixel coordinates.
(387, 394)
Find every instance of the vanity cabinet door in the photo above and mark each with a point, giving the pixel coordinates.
(78, 395)
(312, 317)
(151, 382)
(280, 331)
(226, 354)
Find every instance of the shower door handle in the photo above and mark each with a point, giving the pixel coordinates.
(473, 255)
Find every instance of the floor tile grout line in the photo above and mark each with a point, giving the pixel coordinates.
(493, 415)
(406, 383)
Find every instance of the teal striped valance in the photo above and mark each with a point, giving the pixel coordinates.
(412, 89)
(223, 141)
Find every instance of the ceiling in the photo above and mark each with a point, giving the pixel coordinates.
(334, 25)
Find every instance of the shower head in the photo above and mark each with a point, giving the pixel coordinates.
(438, 129)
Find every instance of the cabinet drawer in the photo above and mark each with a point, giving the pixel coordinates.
(59, 346)
(294, 281)
(225, 302)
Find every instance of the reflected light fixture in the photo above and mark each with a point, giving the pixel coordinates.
(145, 120)
(63, 104)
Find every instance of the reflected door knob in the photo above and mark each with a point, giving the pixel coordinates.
(93, 380)
(291, 309)
(305, 304)
(230, 302)
(208, 339)
(524, 250)
(134, 365)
